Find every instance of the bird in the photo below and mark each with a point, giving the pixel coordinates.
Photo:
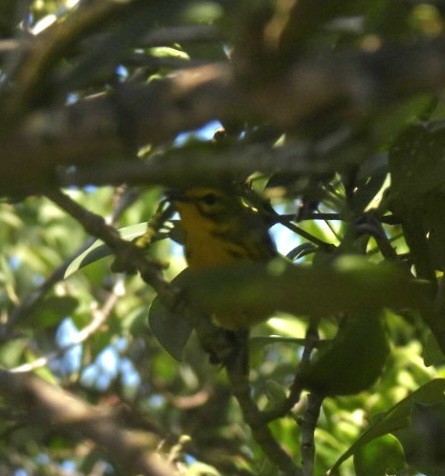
(221, 230)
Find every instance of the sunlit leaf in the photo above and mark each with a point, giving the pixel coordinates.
(382, 456)
(99, 250)
(397, 417)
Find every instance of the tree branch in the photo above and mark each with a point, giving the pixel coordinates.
(99, 317)
(123, 199)
(80, 133)
(237, 370)
(130, 254)
(50, 405)
(308, 426)
(48, 47)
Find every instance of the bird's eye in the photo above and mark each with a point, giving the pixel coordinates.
(210, 198)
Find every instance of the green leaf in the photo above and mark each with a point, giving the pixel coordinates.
(275, 392)
(53, 310)
(435, 226)
(397, 417)
(99, 250)
(416, 165)
(11, 352)
(171, 331)
(201, 469)
(381, 456)
(354, 359)
(349, 284)
(423, 440)
(432, 353)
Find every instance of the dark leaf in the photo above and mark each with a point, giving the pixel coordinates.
(171, 331)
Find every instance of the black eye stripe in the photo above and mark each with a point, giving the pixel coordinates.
(210, 199)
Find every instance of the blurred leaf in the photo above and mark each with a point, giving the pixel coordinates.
(390, 122)
(8, 17)
(397, 417)
(99, 250)
(136, 321)
(416, 165)
(168, 52)
(435, 226)
(53, 310)
(423, 439)
(201, 469)
(275, 393)
(12, 351)
(46, 374)
(350, 284)
(354, 359)
(172, 331)
(418, 193)
(432, 353)
(286, 325)
(381, 456)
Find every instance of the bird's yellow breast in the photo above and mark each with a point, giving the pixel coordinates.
(206, 242)
(219, 230)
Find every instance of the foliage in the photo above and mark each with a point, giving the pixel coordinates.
(333, 118)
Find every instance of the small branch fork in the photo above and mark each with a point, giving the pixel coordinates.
(237, 371)
(237, 367)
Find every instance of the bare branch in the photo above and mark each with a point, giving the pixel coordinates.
(51, 44)
(176, 34)
(308, 426)
(111, 126)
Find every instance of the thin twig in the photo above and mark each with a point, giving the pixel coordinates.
(312, 340)
(124, 199)
(308, 236)
(308, 426)
(372, 226)
(237, 370)
(99, 318)
(182, 34)
(313, 216)
(135, 257)
(309, 422)
(165, 36)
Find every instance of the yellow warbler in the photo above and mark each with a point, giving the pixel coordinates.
(220, 230)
